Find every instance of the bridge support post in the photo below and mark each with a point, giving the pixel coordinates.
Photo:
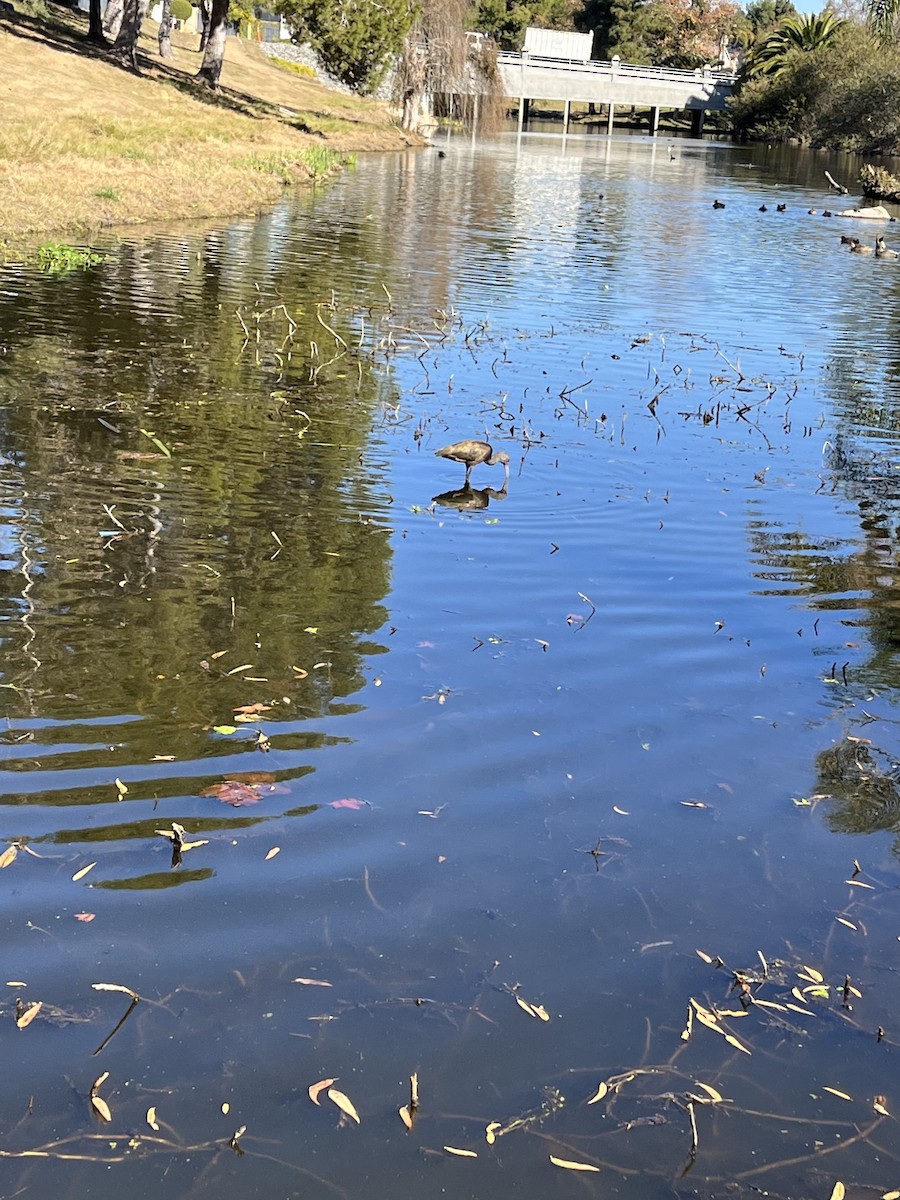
(522, 103)
(697, 122)
(654, 120)
(610, 114)
(566, 106)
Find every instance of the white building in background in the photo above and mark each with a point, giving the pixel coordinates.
(554, 43)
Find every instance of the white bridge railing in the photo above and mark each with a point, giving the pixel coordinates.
(621, 69)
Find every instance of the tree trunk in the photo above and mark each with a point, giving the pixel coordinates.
(214, 54)
(204, 16)
(95, 24)
(125, 44)
(165, 30)
(112, 18)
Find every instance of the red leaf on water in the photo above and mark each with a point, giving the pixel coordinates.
(85, 916)
(350, 802)
(240, 793)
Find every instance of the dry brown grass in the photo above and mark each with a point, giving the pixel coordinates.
(85, 143)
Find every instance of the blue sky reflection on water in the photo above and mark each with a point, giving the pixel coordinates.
(588, 728)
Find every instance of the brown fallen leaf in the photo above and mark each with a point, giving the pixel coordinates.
(314, 1088)
(344, 1103)
(569, 1165)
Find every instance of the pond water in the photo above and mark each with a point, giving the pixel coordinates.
(494, 786)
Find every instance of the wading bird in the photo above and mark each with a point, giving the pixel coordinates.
(471, 453)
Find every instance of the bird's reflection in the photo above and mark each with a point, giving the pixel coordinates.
(469, 499)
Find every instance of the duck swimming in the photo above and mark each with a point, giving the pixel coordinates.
(881, 250)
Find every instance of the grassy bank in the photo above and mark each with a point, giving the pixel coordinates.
(85, 143)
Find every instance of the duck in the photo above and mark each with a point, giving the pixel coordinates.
(881, 250)
(471, 453)
(859, 247)
(781, 208)
(813, 212)
(762, 208)
(718, 204)
(846, 240)
(827, 213)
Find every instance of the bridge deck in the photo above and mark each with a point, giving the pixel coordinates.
(529, 77)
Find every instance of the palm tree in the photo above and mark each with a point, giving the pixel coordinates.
(882, 18)
(800, 33)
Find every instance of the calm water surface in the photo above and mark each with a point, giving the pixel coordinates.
(445, 750)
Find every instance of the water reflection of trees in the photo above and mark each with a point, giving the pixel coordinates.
(125, 571)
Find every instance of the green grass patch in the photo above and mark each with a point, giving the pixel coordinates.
(107, 193)
(295, 68)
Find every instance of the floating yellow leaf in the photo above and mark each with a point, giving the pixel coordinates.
(315, 1088)
(461, 1153)
(732, 1041)
(798, 995)
(880, 1106)
(525, 1006)
(706, 958)
(710, 1091)
(540, 1011)
(115, 987)
(101, 1108)
(569, 1165)
(84, 870)
(314, 983)
(151, 1119)
(768, 1004)
(849, 924)
(8, 856)
(490, 1132)
(599, 1094)
(226, 1108)
(621, 811)
(859, 883)
(344, 1103)
(813, 974)
(708, 1020)
(121, 788)
(895, 1195)
(838, 1192)
(689, 1025)
(28, 1015)
(271, 854)
(406, 1117)
(835, 1092)
(805, 1012)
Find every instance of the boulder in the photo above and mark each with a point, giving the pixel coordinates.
(876, 213)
